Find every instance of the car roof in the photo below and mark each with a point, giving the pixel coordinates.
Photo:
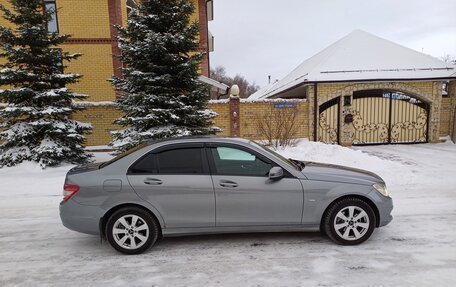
(199, 139)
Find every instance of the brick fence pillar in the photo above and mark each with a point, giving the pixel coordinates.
(234, 116)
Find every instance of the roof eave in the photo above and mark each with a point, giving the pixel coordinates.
(362, 81)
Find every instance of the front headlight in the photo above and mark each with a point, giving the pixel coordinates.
(380, 187)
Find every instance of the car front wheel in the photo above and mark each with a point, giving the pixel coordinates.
(349, 221)
(131, 230)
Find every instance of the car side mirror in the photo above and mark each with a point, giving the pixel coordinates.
(276, 173)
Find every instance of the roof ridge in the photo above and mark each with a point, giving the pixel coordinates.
(329, 49)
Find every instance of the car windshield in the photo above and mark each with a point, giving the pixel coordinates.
(124, 154)
(290, 162)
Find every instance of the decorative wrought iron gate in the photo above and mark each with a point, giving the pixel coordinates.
(328, 124)
(381, 117)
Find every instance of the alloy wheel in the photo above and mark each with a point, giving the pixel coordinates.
(351, 223)
(130, 231)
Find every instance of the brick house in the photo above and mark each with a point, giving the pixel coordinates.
(90, 22)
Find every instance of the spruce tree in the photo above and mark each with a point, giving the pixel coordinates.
(35, 122)
(159, 92)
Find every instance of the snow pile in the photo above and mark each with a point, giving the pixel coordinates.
(392, 172)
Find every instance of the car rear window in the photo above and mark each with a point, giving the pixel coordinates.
(122, 155)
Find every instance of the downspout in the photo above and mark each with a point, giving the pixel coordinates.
(315, 111)
(221, 95)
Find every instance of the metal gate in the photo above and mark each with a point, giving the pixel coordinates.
(381, 117)
(328, 124)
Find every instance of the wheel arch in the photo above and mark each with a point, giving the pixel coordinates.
(107, 215)
(361, 197)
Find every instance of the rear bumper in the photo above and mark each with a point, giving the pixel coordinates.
(80, 218)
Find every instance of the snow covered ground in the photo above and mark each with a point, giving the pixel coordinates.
(417, 249)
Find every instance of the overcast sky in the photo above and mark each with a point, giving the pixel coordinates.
(257, 38)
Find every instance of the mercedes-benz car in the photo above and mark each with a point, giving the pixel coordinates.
(205, 185)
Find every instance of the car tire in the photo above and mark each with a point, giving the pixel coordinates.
(132, 230)
(349, 221)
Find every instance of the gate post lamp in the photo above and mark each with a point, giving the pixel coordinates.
(234, 91)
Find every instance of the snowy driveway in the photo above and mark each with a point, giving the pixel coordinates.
(417, 249)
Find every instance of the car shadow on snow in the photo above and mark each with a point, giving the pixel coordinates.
(239, 241)
(243, 240)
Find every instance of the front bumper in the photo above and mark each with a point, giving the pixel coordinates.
(384, 205)
(80, 218)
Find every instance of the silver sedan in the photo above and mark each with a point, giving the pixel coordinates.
(205, 185)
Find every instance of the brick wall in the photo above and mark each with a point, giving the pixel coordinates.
(84, 18)
(222, 108)
(250, 111)
(102, 118)
(96, 67)
(445, 117)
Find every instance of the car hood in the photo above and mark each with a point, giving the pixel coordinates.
(338, 173)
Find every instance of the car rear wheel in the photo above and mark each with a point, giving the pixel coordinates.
(349, 221)
(131, 230)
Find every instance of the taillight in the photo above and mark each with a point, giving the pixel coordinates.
(69, 190)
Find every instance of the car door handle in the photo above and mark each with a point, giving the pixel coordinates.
(228, 183)
(153, 181)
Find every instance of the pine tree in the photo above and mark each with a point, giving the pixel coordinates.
(159, 92)
(34, 122)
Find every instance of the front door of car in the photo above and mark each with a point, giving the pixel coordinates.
(176, 181)
(245, 196)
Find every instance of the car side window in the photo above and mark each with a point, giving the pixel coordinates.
(234, 161)
(174, 161)
(180, 161)
(146, 165)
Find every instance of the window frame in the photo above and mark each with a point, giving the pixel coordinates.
(160, 149)
(45, 2)
(213, 169)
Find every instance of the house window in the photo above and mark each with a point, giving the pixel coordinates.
(53, 26)
(210, 10)
(210, 41)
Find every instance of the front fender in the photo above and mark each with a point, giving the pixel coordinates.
(318, 195)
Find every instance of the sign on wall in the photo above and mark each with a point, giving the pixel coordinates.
(285, 105)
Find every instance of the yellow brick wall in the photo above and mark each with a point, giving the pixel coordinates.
(223, 119)
(102, 118)
(445, 117)
(96, 67)
(84, 18)
(4, 22)
(195, 16)
(124, 12)
(251, 111)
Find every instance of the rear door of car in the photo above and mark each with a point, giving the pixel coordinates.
(245, 196)
(175, 179)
